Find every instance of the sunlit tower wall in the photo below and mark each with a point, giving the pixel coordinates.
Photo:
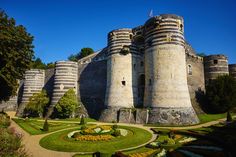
(232, 70)
(65, 78)
(121, 90)
(33, 83)
(214, 66)
(166, 90)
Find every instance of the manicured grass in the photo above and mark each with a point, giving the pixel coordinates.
(204, 118)
(68, 119)
(34, 127)
(59, 141)
(75, 120)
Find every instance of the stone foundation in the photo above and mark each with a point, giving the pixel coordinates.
(141, 116)
(126, 115)
(109, 115)
(173, 116)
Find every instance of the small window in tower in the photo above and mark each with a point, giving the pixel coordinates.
(215, 61)
(141, 63)
(123, 83)
(190, 70)
(131, 36)
(134, 66)
(181, 27)
(150, 82)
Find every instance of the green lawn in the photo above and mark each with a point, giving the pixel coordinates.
(34, 127)
(59, 142)
(204, 118)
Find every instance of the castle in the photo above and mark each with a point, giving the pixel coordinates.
(148, 74)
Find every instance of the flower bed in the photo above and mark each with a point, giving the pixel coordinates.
(94, 138)
(97, 133)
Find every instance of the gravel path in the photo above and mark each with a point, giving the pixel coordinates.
(31, 142)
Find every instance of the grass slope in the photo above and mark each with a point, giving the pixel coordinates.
(34, 127)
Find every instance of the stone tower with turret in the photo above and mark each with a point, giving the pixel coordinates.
(214, 66)
(166, 92)
(121, 89)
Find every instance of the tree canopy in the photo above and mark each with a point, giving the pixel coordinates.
(83, 53)
(221, 94)
(16, 53)
(38, 64)
(37, 104)
(67, 104)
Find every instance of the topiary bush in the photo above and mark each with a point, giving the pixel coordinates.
(45, 125)
(82, 121)
(116, 133)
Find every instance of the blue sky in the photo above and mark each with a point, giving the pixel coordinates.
(63, 27)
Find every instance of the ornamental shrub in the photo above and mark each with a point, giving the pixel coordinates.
(10, 143)
(4, 121)
(116, 133)
(82, 121)
(45, 125)
(67, 105)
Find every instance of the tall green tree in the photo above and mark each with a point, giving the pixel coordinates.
(37, 104)
(67, 104)
(16, 53)
(221, 94)
(83, 53)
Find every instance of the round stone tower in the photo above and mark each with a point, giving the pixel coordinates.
(214, 66)
(66, 74)
(166, 90)
(33, 83)
(232, 70)
(121, 90)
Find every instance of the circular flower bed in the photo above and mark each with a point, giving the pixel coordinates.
(97, 133)
(96, 138)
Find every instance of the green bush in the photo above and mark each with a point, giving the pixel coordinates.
(83, 127)
(116, 133)
(4, 121)
(82, 121)
(10, 143)
(221, 94)
(46, 125)
(115, 126)
(37, 104)
(67, 104)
